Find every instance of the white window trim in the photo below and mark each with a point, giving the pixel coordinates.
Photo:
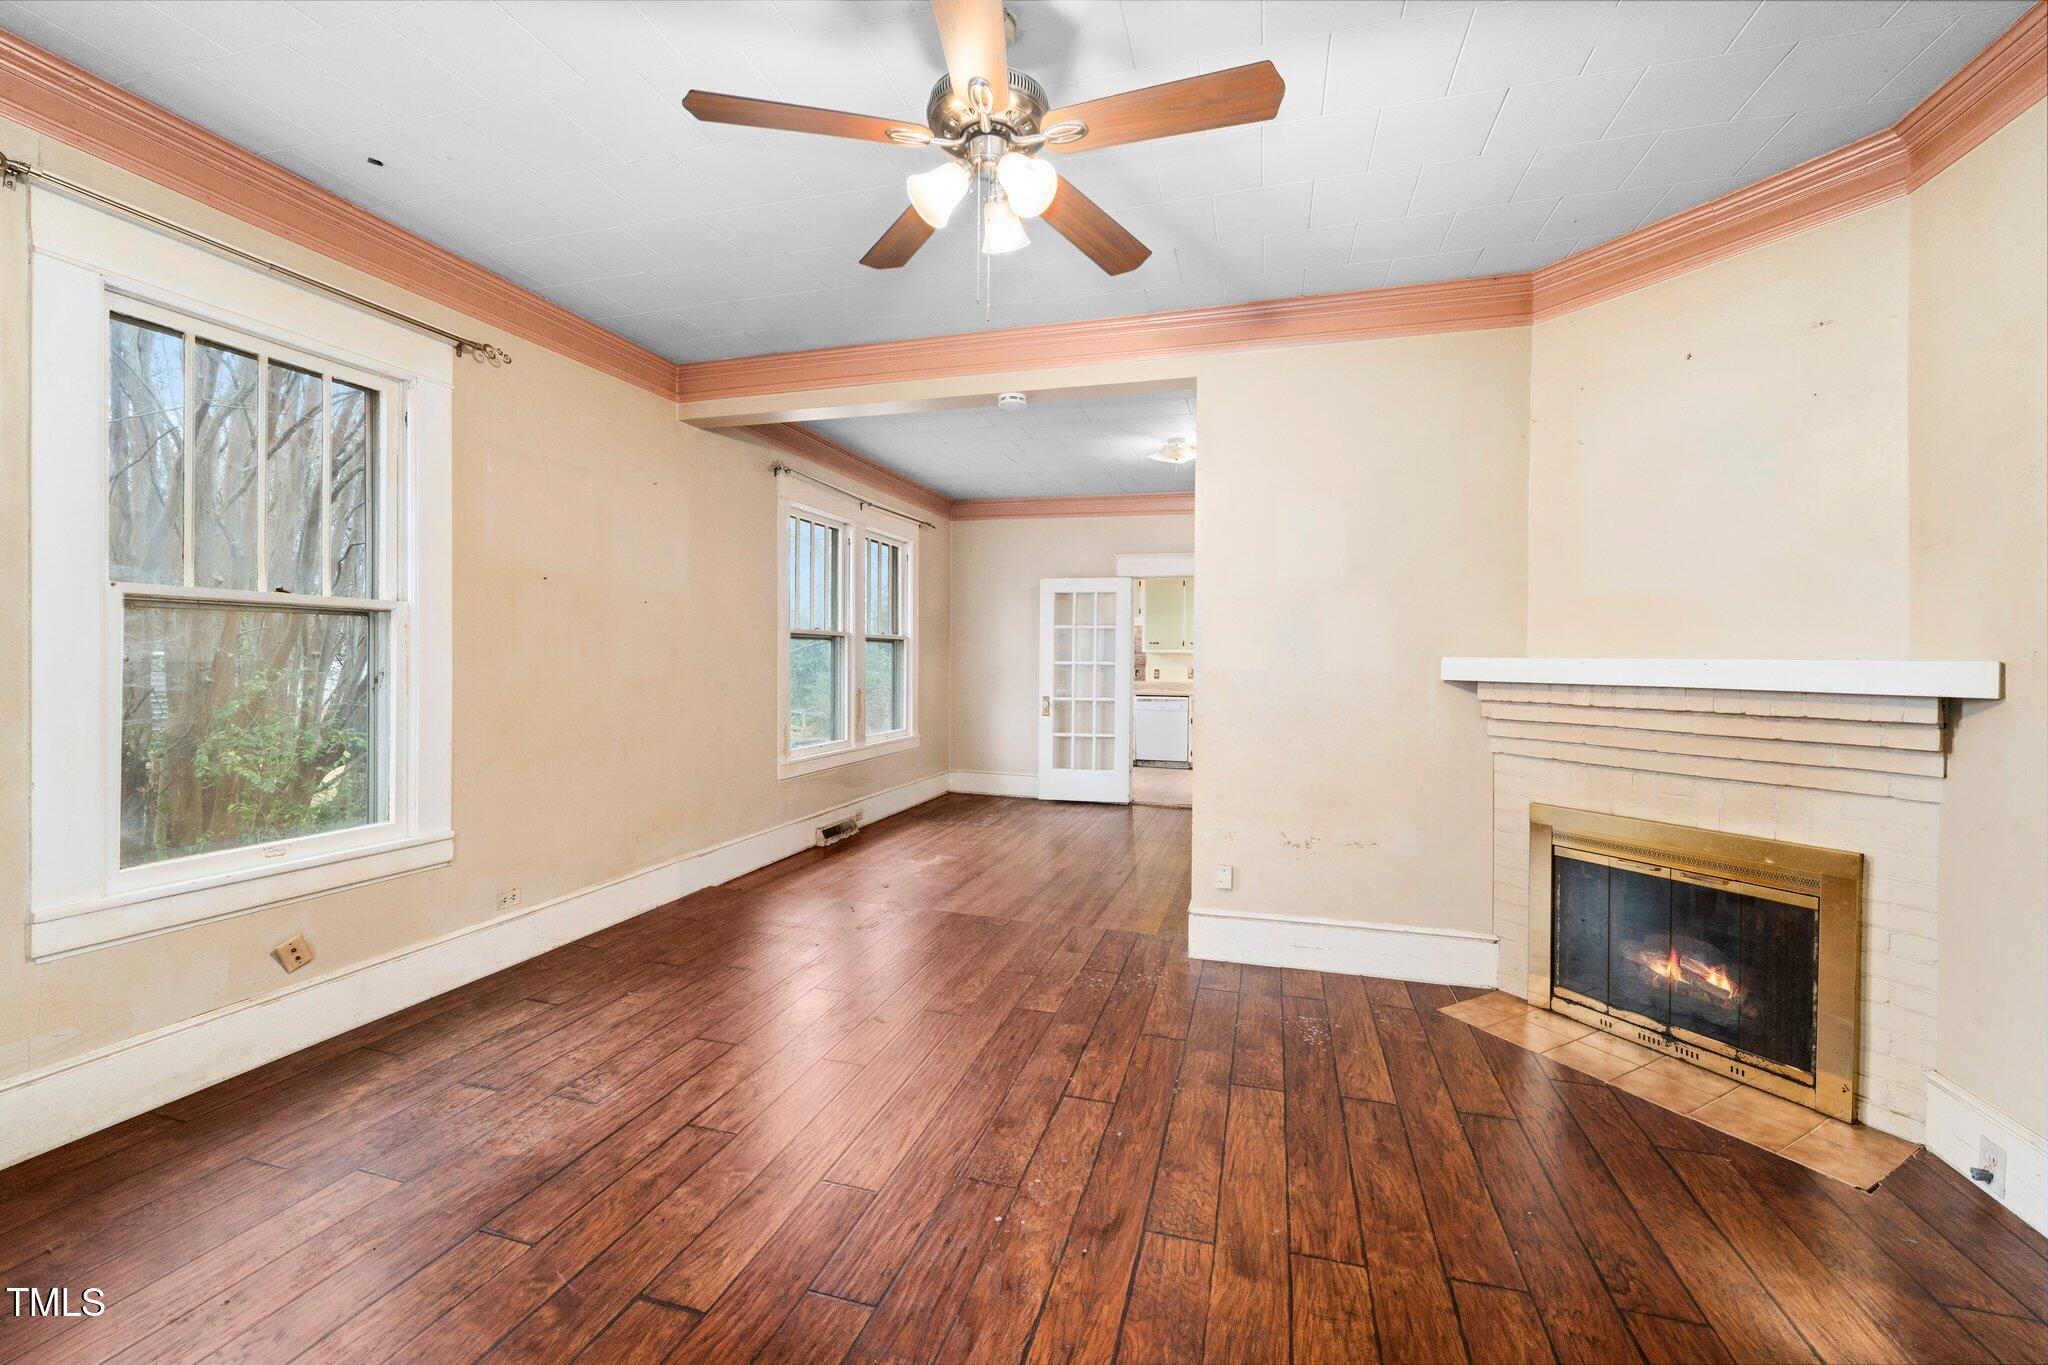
(858, 522)
(86, 264)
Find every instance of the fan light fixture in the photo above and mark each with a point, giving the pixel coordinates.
(1028, 183)
(1002, 231)
(1180, 450)
(937, 192)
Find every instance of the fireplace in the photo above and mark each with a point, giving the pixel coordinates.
(1737, 954)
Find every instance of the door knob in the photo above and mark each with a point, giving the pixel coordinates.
(1045, 705)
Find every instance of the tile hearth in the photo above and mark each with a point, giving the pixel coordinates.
(1850, 1153)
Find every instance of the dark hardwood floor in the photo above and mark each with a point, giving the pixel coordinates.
(956, 1092)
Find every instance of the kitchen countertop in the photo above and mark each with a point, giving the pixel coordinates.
(1146, 687)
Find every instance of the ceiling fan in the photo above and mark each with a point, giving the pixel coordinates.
(993, 123)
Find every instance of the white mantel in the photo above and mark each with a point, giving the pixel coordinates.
(1970, 679)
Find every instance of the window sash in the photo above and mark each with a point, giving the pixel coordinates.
(866, 597)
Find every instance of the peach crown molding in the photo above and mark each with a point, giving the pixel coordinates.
(44, 92)
(827, 453)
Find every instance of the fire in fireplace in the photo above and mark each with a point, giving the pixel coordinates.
(1734, 953)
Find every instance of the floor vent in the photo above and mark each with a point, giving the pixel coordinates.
(839, 831)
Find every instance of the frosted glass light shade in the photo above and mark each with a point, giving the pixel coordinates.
(935, 192)
(1001, 229)
(1028, 182)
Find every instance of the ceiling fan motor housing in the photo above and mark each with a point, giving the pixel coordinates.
(949, 115)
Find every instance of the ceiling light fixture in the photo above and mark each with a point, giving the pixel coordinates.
(1028, 183)
(1002, 231)
(937, 192)
(1180, 450)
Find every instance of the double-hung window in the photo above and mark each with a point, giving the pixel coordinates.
(240, 601)
(848, 649)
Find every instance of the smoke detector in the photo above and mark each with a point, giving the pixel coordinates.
(1010, 401)
(1179, 450)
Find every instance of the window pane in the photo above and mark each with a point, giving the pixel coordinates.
(814, 692)
(813, 575)
(146, 453)
(223, 465)
(243, 726)
(882, 701)
(291, 473)
(884, 593)
(353, 421)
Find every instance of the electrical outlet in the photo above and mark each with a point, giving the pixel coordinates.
(1223, 876)
(1990, 1168)
(293, 953)
(508, 898)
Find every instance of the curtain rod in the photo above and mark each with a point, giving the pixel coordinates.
(779, 469)
(13, 172)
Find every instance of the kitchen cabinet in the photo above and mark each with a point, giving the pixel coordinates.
(1159, 730)
(1169, 613)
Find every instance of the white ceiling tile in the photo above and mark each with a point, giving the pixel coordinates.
(907, 48)
(605, 39)
(770, 276)
(1797, 21)
(587, 299)
(535, 131)
(1686, 94)
(55, 37)
(1845, 70)
(1178, 222)
(333, 13)
(1925, 11)
(438, 220)
(1180, 30)
(1706, 153)
(1806, 136)
(507, 211)
(1118, 179)
(1584, 167)
(1269, 209)
(1451, 265)
(1311, 18)
(613, 251)
(372, 58)
(1497, 225)
(1513, 260)
(1394, 63)
(703, 283)
(1557, 112)
(1951, 52)
(302, 92)
(581, 198)
(744, 173)
(239, 118)
(1521, 44)
(1435, 130)
(812, 17)
(1362, 198)
(143, 36)
(484, 46)
(1208, 163)
(1118, 82)
(401, 177)
(1654, 32)
(699, 30)
(832, 74)
(1467, 184)
(546, 261)
(629, 116)
(1600, 215)
(850, 219)
(1220, 260)
(1303, 65)
(836, 165)
(1395, 238)
(1308, 250)
(235, 25)
(465, 156)
(1317, 148)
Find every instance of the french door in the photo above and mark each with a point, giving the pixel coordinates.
(1084, 689)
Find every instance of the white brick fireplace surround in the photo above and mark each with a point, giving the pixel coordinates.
(1840, 755)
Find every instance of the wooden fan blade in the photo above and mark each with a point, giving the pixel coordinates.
(1102, 239)
(796, 118)
(1221, 99)
(971, 32)
(899, 243)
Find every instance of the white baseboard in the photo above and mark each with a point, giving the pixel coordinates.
(49, 1107)
(995, 784)
(1450, 957)
(1957, 1124)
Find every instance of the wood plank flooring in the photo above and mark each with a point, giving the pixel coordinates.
(955, 1092)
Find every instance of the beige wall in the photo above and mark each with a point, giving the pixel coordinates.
(996, 569)
(1979, 346)
(1360, 514)
(615, 673)
(1717, 463)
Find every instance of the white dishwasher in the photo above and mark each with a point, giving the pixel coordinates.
(1159, 729)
